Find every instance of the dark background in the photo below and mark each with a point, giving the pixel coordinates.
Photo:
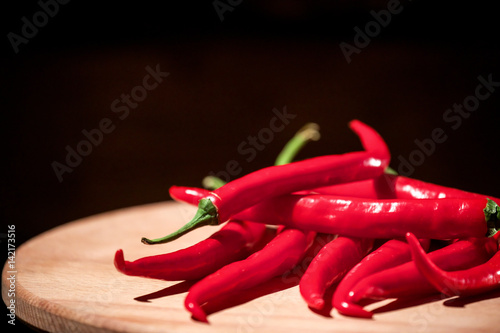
(225, 79)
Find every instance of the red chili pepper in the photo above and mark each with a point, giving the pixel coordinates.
(426, 218)
(279, 255)
(472, 281)
(407, 188)
(406, 281)
(234, 241)
(386, 186)
(221, 204)
(191, 195)
(389, 186)
(390, 254)
(331, 263)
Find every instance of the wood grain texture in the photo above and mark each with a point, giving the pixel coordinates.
(66, 282)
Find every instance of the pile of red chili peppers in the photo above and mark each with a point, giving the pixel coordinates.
(381, 235)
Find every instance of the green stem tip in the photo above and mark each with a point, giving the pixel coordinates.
(492, 216)
(207, 212)
(212, 182)
(205, 215)
(309, 132)
(390, 171)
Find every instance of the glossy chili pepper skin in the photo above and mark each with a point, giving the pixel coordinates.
(221, 204)
(331, 263)
(190, 195)
(234, 241)
(301, 175)
(407, 188)
(280, 255)
(406, 280)
(426, 218)
(472, 281)
(388, 186)
(390, 254)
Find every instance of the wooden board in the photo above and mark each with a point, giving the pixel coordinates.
(66, 282)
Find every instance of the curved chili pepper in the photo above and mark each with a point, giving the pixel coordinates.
(331, 263)
(234, 241)
(192, 195)
(406, 188)
(472, 281)
(390, 186)
(278, 256)
(390, 254)
(292, 239)
(309, 132)
(426, 218)
(386, 186)
(406, 281)
(244, 192)
(330, 214)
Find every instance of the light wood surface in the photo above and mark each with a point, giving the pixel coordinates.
(66, 282)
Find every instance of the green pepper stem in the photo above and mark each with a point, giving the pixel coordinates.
(212, 182)
(492, 217)
(207, 212)
(206, 215)
(310, 132)
(390, 171)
